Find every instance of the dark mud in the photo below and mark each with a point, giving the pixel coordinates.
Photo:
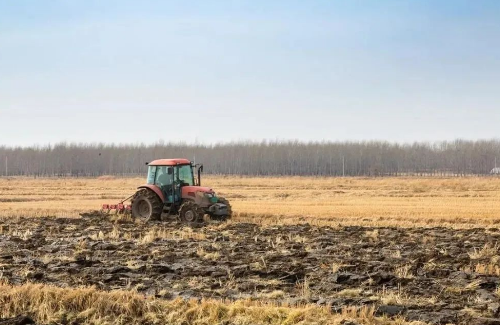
(20, 320)
(420, 274)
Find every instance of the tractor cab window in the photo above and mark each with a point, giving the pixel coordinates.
(164, 176)
(151, 174)
(186, 174)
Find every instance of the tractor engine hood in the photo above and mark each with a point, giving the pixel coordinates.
(191, 190)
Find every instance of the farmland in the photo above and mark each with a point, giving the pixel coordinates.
(298, 251)
(456, 202)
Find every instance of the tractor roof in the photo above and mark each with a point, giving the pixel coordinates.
(169, 162)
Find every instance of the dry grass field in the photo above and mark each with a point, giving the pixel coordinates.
(127, 307)
(455, 202)
(299, 250)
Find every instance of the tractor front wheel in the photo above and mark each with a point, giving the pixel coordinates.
(190, 213)
(223, 200)
(146, 205)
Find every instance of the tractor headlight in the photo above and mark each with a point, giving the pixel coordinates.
(212, 198)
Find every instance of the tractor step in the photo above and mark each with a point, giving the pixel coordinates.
(166, 209)
(119, 208)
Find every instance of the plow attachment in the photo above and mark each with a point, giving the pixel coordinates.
(119, 208)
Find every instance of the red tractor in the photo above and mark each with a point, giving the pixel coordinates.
(172, 189)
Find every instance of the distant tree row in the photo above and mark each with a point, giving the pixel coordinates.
(372, 158)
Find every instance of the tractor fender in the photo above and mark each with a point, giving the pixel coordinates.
(155, 189)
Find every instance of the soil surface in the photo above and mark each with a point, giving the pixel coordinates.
(20, 320)
(435, 275)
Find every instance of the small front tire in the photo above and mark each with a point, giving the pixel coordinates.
(191, 214)
(223, 200)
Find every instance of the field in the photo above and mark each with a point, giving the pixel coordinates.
(406, 202)
(298, 251)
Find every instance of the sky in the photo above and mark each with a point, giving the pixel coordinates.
(218, 71)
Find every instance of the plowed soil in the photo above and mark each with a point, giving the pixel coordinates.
(436, 275)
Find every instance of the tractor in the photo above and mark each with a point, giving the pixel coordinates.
(172, 189)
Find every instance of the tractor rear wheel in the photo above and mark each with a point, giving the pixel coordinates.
(190, 213)
(146, 205)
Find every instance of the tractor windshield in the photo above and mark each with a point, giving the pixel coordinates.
(164, 176)
(160, 175)
(186, 174)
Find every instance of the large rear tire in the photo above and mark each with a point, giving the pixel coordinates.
(191, 214)
(146, 205)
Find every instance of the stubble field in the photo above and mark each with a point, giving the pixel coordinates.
(406, 202)
(298, 251)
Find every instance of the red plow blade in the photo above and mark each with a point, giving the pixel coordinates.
(119, 208)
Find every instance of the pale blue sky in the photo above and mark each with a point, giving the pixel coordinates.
(208, 71)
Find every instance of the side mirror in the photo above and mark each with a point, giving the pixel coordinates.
(170, 170)
(201, 168)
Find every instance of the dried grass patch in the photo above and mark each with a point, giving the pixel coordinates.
(47, 304)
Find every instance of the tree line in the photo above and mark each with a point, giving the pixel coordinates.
(349, 158)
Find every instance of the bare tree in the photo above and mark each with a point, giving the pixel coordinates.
(373, 158)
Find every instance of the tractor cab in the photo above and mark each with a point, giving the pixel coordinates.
(170, 179)
(172, 188)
